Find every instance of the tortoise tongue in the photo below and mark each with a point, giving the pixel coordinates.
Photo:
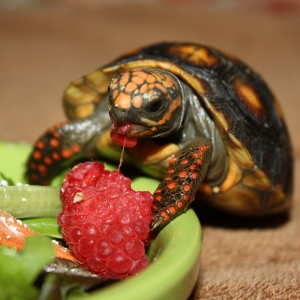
(119, 137)
(122, 140)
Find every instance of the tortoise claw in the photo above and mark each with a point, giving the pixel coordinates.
(157, 221)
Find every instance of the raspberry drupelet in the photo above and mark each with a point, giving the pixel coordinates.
(104, 221)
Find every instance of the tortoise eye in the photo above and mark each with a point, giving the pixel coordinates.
(154, 106)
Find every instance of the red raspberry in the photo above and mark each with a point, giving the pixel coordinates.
(104, 221)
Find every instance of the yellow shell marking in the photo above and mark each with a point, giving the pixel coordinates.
(98, 81)
(195, 54)
(249, 97)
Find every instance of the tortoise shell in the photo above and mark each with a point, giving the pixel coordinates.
(258, 174)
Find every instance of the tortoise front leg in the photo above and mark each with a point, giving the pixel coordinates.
(61, 146)
(183, 177)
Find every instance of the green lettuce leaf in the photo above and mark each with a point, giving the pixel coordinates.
(20, 269)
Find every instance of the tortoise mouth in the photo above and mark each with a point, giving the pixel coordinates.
(131, 130)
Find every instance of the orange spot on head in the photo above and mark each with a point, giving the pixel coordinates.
(123, 101)
(157, 191)
(172, 185)
(196, 154)
(143, 89)
(138, 80)
(168, 82)
(130, 87)
(115, 94)
(151, 79)
(123, 81)
(66, 153)
(159, 86)
(137, 101)
(176, 103)
(193, 166)
(185, 197)
(150, 93)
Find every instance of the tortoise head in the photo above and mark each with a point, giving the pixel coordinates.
(145, 102)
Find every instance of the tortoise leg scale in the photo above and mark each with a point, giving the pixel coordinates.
(183, 177)
(60, 146)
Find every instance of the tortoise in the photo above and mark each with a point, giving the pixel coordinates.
(198, 119)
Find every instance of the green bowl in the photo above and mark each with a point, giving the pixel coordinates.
(173, 255)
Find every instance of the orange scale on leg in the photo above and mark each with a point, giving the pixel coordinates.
(179, 204)
(184, 162)
(54, 142)
(172, 185)
(158, 198)
(47, 160)
(187, 187)
(42, 168)
(76, 148)
(193, 166)
(163, 214)
(182, 174)
(195, 175)
(40, 145)
(57, 134)
(37, 155)
(66, 153)
(172, 160)
(33, 166)
(172, 210)
(199, 161)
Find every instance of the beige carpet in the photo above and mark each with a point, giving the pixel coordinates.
(43, 47)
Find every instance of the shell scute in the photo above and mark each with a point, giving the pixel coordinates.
(246, 114)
